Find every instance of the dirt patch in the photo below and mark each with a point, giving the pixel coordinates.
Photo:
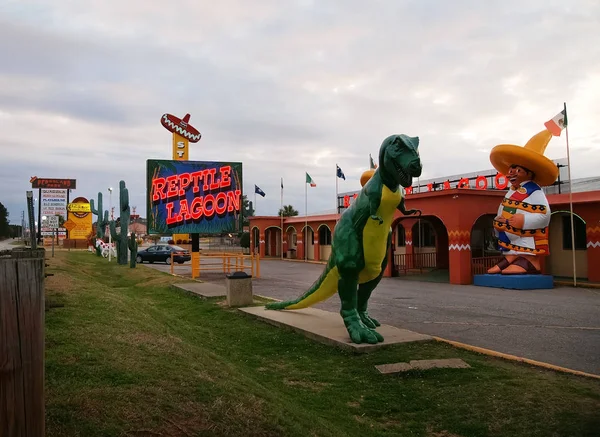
(60, 283)
(431, 433)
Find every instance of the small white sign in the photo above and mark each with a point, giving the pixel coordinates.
(52, 222)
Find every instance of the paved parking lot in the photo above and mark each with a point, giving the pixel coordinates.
(560, 326)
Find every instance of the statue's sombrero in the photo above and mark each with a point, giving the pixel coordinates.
(531, 156)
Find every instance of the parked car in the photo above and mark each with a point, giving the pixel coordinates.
(162, 253)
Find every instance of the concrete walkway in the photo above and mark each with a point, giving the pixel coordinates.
(559, 326)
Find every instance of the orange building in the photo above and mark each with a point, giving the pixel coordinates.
(453, 236)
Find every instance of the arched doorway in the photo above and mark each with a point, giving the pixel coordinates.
(560, 261)
(309, 246)
(484, 245)
(324, 242)
(292, 241)
(273, 241)
(420, 247)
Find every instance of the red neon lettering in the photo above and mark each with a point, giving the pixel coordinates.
(184, 182)
(170, 219)
(355, 195)
(209, 198)
(346, 201)
(196, 176)
(463, 183)
(196, 208)
(234, 200)
(221, 209)
(447, 185)
(213, 185)
(429, 187)
(158, 186)
(225, 179)
(172, 186)
(503, 185)
(408, 190)
(481, 183)
(184, 212)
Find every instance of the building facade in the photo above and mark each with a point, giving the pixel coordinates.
(454, 234)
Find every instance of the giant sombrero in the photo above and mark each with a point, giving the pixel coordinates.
(531, 156)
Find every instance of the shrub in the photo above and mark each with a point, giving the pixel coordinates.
(245, 240)
(179, 241)
(170, 242)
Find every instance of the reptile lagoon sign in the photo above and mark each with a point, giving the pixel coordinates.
(186, 197)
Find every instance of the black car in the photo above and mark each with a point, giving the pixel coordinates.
(162, 253)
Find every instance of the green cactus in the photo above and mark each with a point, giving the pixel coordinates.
(133, 247)
(101, 223)
(124, 214)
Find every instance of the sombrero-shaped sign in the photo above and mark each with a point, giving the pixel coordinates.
(531, 156)
(181, 127)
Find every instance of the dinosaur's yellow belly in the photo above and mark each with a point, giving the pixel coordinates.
(375, 235)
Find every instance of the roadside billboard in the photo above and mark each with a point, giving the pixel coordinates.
(187, 197)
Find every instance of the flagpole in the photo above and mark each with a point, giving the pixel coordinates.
(281, 218)
(336, 190)
(570, 198)
(305, 220)
(255, 201)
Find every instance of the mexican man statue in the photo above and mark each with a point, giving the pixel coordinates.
(521, 224)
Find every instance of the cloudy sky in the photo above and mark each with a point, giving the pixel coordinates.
(288, 86)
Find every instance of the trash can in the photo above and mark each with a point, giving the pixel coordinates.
(238, 287)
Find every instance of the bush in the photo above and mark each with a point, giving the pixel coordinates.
(245, 240)
(170, 242)
(179, 241)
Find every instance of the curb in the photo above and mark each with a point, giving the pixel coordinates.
(515, 358)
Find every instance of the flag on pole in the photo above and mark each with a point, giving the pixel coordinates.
(557, 123)
(282, 183)
(371, 163)
(339, 172)
(258, 191)
(310, 181)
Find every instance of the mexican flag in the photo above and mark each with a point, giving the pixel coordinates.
(557, 123)
(310, 181)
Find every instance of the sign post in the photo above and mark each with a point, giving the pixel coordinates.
(183, 134)
(52, 222)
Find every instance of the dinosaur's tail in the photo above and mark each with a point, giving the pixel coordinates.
(323, 288)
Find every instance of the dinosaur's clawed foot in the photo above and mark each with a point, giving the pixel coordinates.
(369, 321)
(358, 331)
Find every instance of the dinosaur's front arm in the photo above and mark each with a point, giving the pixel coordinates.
(402, 208)
(374, 193)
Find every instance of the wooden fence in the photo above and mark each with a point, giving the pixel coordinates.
(22, 343)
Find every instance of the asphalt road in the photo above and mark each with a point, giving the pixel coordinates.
(559, 326)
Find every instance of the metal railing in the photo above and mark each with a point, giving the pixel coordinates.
(405, 262)
(480, 265)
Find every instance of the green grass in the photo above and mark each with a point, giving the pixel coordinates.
(129, 355)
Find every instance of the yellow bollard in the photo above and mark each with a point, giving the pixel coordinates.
(258, 265)
(195, 264)
(172, 269)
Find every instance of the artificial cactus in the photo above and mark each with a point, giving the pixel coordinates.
(124, 214)
(133, 247)
(101, 223)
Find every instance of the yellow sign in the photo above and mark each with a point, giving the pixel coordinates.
(181, 147)
(79, 219)
(79, 207)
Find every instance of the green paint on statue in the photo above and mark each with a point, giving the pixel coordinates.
(362, 239)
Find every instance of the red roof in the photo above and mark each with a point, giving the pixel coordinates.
(582, 197)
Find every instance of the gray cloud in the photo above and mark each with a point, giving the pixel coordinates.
(288, 87)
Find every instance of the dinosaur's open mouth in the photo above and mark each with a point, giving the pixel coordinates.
(404, 178)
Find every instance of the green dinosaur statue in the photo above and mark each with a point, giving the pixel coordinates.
(362, 239)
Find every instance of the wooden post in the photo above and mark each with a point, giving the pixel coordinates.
(22, 343)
